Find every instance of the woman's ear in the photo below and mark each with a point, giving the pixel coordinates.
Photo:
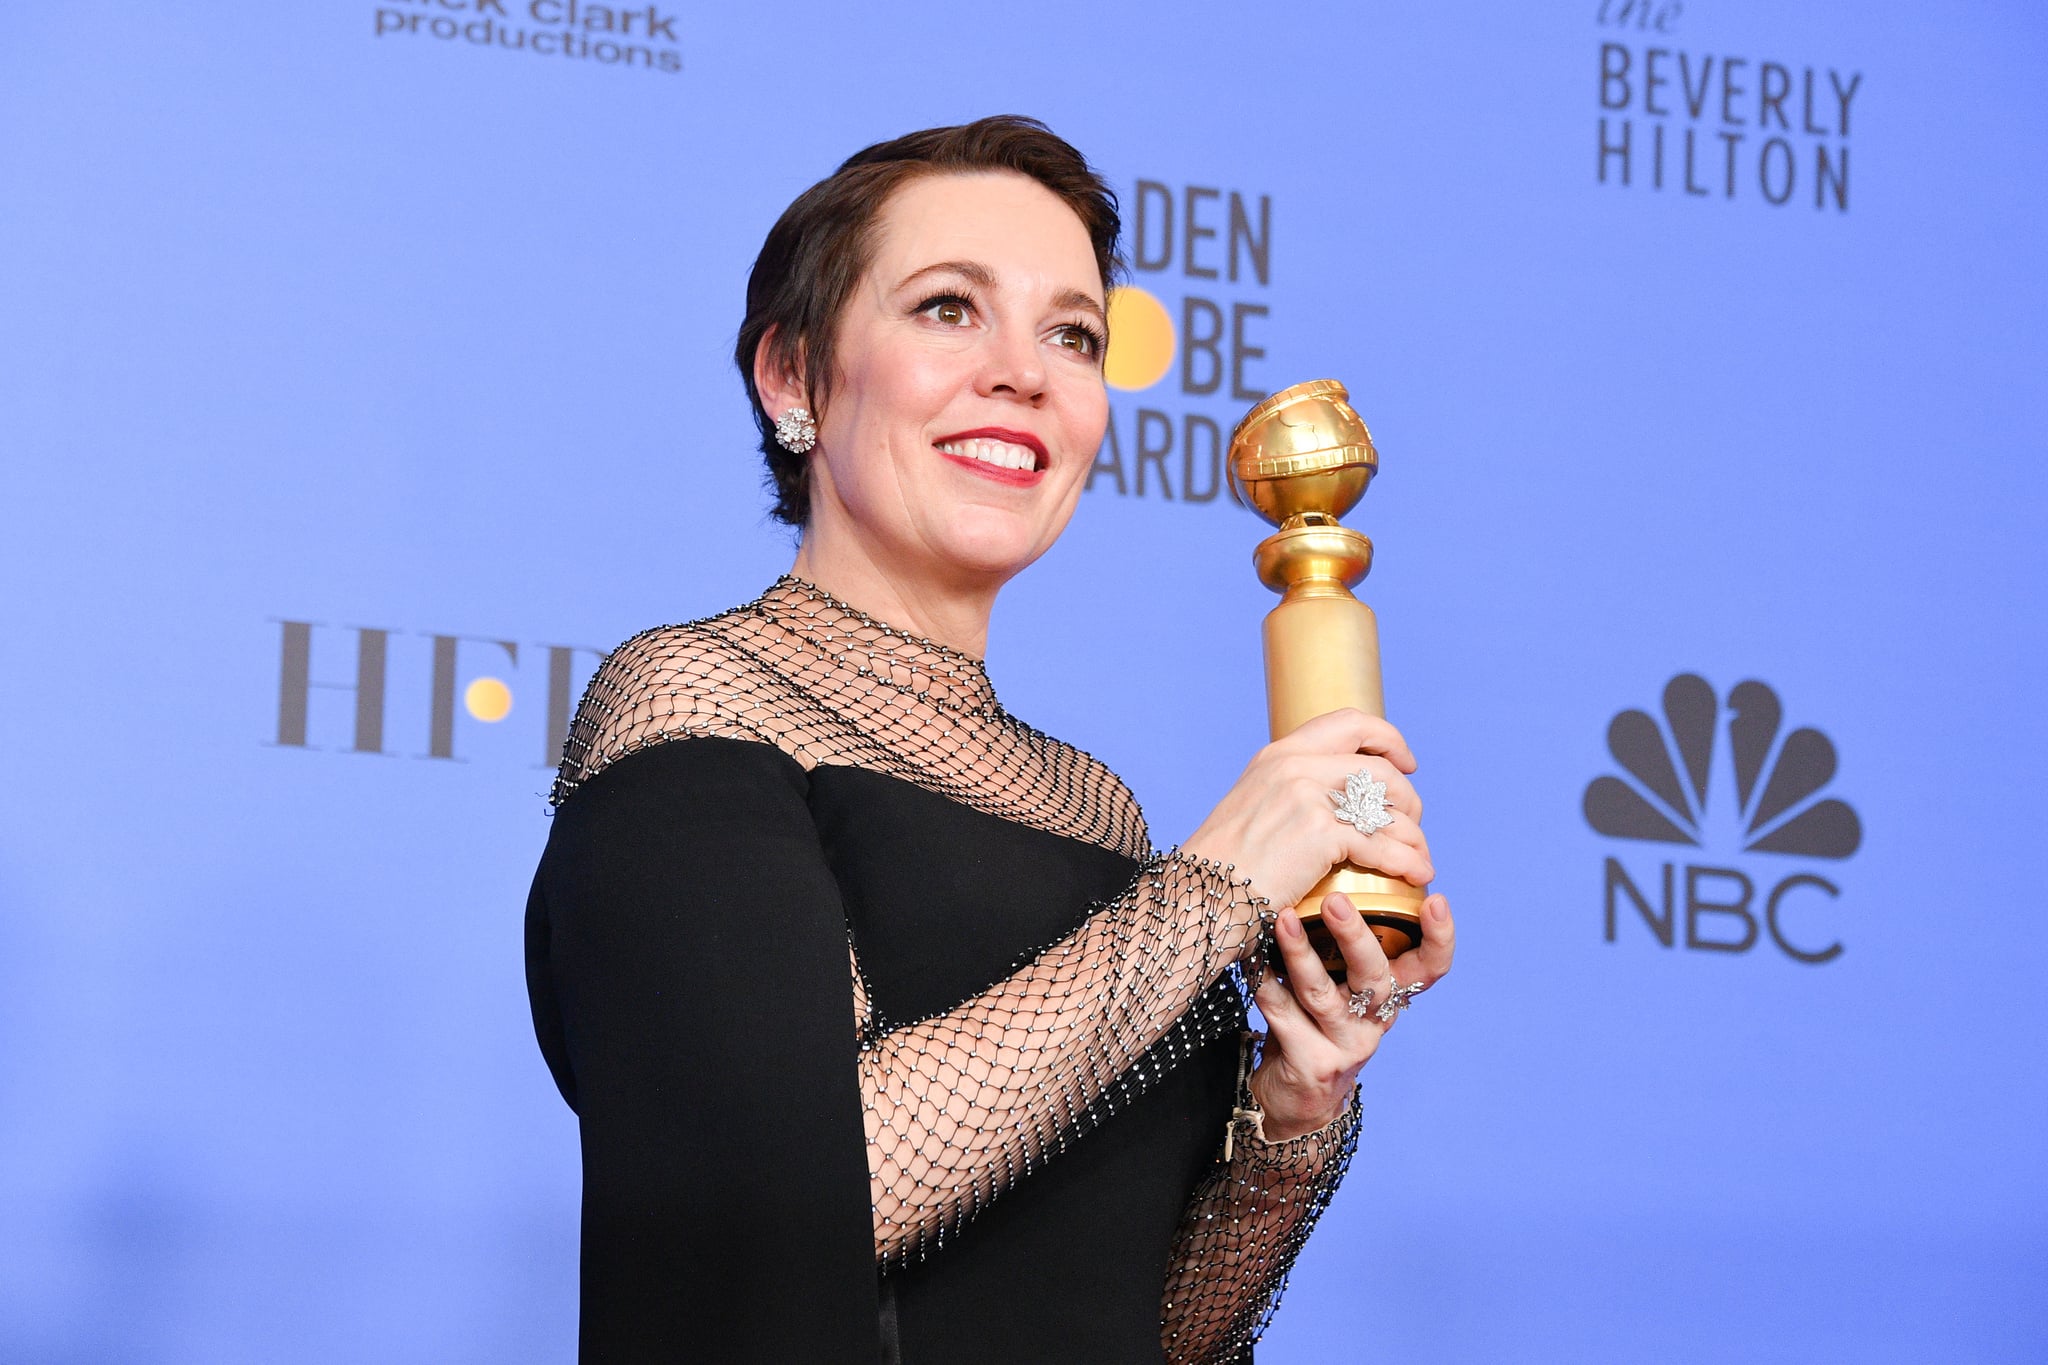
(781, 386)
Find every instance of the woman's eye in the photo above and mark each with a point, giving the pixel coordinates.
(951, 312)
(1080, 339)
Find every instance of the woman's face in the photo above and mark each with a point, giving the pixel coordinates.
(968, 404)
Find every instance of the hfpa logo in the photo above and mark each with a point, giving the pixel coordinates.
(1664, 800)
(440, 680)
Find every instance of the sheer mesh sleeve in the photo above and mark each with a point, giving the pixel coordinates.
(961, 1105)
(625, 708)
(1243, 1229)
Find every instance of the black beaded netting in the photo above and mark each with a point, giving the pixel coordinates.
(962, 1104)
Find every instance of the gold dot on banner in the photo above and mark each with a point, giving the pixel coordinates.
(488, 699)
(1140, 340)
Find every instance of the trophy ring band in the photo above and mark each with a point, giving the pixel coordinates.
(1362, 804)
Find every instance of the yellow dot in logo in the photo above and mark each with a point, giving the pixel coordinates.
(1140, 340)
(488, 699)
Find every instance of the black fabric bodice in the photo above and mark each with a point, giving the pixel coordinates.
(1068, 1265)
(687, 961)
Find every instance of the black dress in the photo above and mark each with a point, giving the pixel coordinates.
(828, 952)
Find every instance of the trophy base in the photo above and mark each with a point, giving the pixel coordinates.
(1392, 908)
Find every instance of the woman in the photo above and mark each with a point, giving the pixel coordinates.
(889, 1034)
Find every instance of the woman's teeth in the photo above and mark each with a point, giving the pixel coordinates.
(1001, 454)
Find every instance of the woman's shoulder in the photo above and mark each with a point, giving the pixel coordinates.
(1073, 792)
(694, 680)
(702, 657)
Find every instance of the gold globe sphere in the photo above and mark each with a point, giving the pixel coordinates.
(1303, 451)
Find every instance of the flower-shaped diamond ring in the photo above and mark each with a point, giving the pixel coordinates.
(1363, 803)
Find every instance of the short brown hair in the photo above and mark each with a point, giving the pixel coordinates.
(824, 242)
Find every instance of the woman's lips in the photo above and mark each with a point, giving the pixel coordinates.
(1016, 458)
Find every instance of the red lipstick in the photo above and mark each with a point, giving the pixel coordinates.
(1014, 477)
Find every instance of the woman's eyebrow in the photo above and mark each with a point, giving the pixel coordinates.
(1080, 300)
(975, 273)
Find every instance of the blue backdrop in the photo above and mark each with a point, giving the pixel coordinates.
(363, 367)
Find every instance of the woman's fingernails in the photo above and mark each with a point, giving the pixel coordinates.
(1287, 924)
(1438, 908)
(1338, 908)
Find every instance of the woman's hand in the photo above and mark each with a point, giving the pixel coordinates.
(1315, 1042)
(1277, 827)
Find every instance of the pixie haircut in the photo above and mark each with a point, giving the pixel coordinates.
(824, 242)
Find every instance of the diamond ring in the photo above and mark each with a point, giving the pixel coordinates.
(1363, 803)
(1361, 1001)
(1398, 999)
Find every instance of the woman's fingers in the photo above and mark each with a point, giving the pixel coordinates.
(1350, 731)
(1426, 963)
(1403, 829)
(1365, 965)
(1329, 772)
(1307, 979)
(1284, 1014)
(1401, 793)
(1403, 812)
(1296, 1040)
(1391, 856)
(1365, 962)
(1316, 1043)
(1279, 826)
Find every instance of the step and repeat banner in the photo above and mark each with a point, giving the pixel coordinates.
(364, 377)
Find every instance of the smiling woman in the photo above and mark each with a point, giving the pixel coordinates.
(891, 1035)
(965, 401)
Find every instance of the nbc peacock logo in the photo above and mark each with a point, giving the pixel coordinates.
(1759, 792)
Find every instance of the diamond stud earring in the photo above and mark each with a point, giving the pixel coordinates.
(795, 432)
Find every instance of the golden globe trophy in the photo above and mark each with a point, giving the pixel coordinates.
(1302, 459)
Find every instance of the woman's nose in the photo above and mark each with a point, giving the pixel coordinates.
(1013, 368)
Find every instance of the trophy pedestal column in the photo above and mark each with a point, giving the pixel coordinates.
(1322, 655)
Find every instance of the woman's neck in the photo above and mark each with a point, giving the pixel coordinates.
(954, 614)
